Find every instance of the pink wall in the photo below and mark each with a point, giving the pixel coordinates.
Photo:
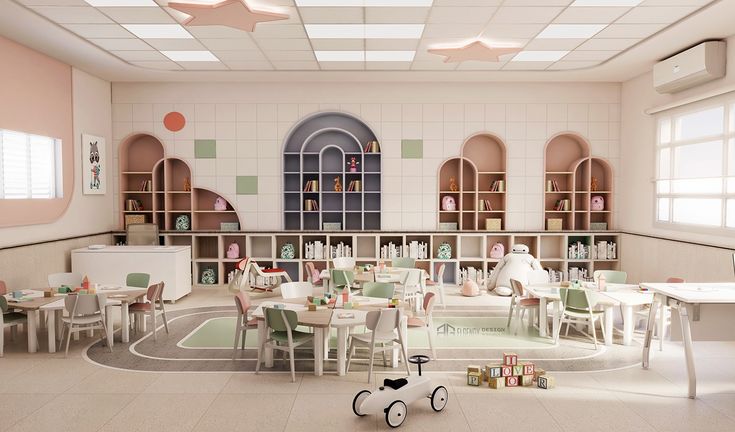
(37, 98)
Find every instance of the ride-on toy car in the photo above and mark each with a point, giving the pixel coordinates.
(394, 395)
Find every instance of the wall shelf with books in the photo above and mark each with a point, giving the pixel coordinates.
(334, 175)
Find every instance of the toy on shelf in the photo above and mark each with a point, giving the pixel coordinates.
(220, 204)
(393, 396)
(597, 203)
(449, 203)
(337, 185)
(288, 251)
(444, 251)
(183, 223)
(187, 184)
(453, 184)
(497, 251)
(233, 251)
(353, 164)
(593, 184)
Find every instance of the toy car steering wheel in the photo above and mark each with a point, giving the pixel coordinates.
(418, 359)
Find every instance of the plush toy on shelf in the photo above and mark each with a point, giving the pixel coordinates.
(593, 185)
(497, 251)
(515, 265)
(353, 164)
(233, 251)
(220, 204)
(448, 203)
(337, 185)
(597, 203)
(187, 184)
(453, 184)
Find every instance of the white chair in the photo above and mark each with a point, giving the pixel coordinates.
(9, 319)
(519, 304)
(384, 329)
(280, 326)
(577, 308)
(290, 290)
(439, 284)
(412, 289)
(72, 280)
(262, 279)
(427, 321)
(84, 312)
(344, 263)
(153, 307)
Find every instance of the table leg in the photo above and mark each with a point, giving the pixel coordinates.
(110, 326)
(555, 321)
(125, 322)
(543, 318)
(32, 337)
(609, 314)
(628, 324)
(661, 326)
(51, 314)
(342, 350)
(268, 352)
(404, 335)
(686, 332)
(59, 323)
(319, 351)
(657, 300)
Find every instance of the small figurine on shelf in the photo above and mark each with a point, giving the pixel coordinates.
(187, 184)
(337, 185)
(597, 203)
(593, 184)
(220, 204)
(353, 164)
(233, 251)
(453, 184)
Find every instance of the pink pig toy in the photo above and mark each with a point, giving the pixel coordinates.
(233, 251)
(597, 203)
(497, 251)
(220, 204)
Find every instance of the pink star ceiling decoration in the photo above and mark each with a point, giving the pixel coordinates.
(230, 13)
(473, 51)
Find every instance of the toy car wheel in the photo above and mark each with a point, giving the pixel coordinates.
(358, 400)
(439, 398)
(395, 414)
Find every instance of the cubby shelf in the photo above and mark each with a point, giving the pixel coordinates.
(481, 164)
(570, 168)
(320, 149)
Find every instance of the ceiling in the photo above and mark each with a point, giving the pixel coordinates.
(100, 37)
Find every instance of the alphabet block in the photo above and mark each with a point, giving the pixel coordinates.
(526, 380)
(545, 382)
(493, 371)
(538, 372)
(474, 369)
(474, 379)
(528, 368)
(496, 383)
(511, 381)
(517, 370)
(506, 371)
(510, 359)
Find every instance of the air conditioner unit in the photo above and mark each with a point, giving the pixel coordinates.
(695, 66)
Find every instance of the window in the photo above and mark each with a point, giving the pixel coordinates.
(695, 167)
(30, 166)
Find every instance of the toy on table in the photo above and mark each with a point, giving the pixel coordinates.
(85, 283)
(393, 396)
(353, 164)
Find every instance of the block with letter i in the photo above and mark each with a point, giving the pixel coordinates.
(545, 382)
(510, 359)
(511, 381)
(526, 380)
(496, 383)
(528, 368)
(493, 371)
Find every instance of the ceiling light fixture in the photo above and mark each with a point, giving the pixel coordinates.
(364, 31)
(122, 3)
(236, 14)
(476, 50)
(389, 56)
(190, 56)
(340, 56)
(539, 56)
(158, 31)
(370, 56)
(611, 3)
(364, 3)
(570, 31)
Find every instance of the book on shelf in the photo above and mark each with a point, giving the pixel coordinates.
(563, 205)
(605, 250)
(311, 186)
(497, 186)
(552, 186)
(372, 147)
(355, 186)
(146, 186)
(311, 205)
(133, 205)
(484, 205)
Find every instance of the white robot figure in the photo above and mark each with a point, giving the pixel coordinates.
(514, 265)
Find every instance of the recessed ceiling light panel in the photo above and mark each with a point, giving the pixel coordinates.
(611, 3)
(539, 56)
(570, 31)
(158, 31)
(389, 56)
(190, 56)
(340, 56)
(364, 31)
(364, 3)
(122, 3)
(370, 56)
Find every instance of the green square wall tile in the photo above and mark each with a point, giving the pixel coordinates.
(412, 149)
(247, 185)
(205, 149)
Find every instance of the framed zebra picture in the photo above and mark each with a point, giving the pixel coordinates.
(94, 174)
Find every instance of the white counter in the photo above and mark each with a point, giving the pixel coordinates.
(111, 265)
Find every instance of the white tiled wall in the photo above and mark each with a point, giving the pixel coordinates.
(250, 134)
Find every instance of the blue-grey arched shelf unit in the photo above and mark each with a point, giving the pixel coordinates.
(320, 148)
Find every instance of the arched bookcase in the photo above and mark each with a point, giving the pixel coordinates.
(317, 153)
(480, 176)
(568, 184)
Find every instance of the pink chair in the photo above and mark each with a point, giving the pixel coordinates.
(312, 274)
(152, 307)
(427, 321)
(3, 288)
(242, 301)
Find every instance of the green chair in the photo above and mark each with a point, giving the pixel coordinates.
(137, 280)
(341, 279)
(611, 276)
(577, 309)
(378, 289)
(403, 262)
(9, 319)
(280, 326)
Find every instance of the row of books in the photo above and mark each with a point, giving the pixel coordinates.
(552, 186)
(355, 186)
(602, 250)
(574, 273)
(133, 205)
(484, 205)
(497, 186)
(372, 147)
(146, 186)
(315, 250)
(563, 205)
(311, 205)
(312, 186)
(340, 250)
(473, 274)
(415, 249)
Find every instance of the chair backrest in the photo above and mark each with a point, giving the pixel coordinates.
(342, 278)
(378, 289)
(274, 319)
(440, 273)
(155, 292)
(383, 321)
(538, 277)
(575, 298)
(517, 288)
(312, 274)
(411, 277)
(144, 234)
(242, 301)
(243, 264)
(137, 280)
(3, 288)
(403, 262)
(675, 280)
(84, 304)
(3, 304)
(291, 290)
(611, 276)
(56, 280)
(429, 300)
(344, 263)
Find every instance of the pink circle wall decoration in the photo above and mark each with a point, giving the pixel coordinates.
(174, 121)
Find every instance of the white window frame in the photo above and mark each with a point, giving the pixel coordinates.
(728, 133)
(56, 183)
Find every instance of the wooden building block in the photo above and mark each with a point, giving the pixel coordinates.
(493, 371)
(545, 382)
(496, 383)
(474, 379)
(510, 359)
(474, 369)
(538, 372)
(526, 380)
(528, 368)
(506, 371)
(517, 370)
(511, 381)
